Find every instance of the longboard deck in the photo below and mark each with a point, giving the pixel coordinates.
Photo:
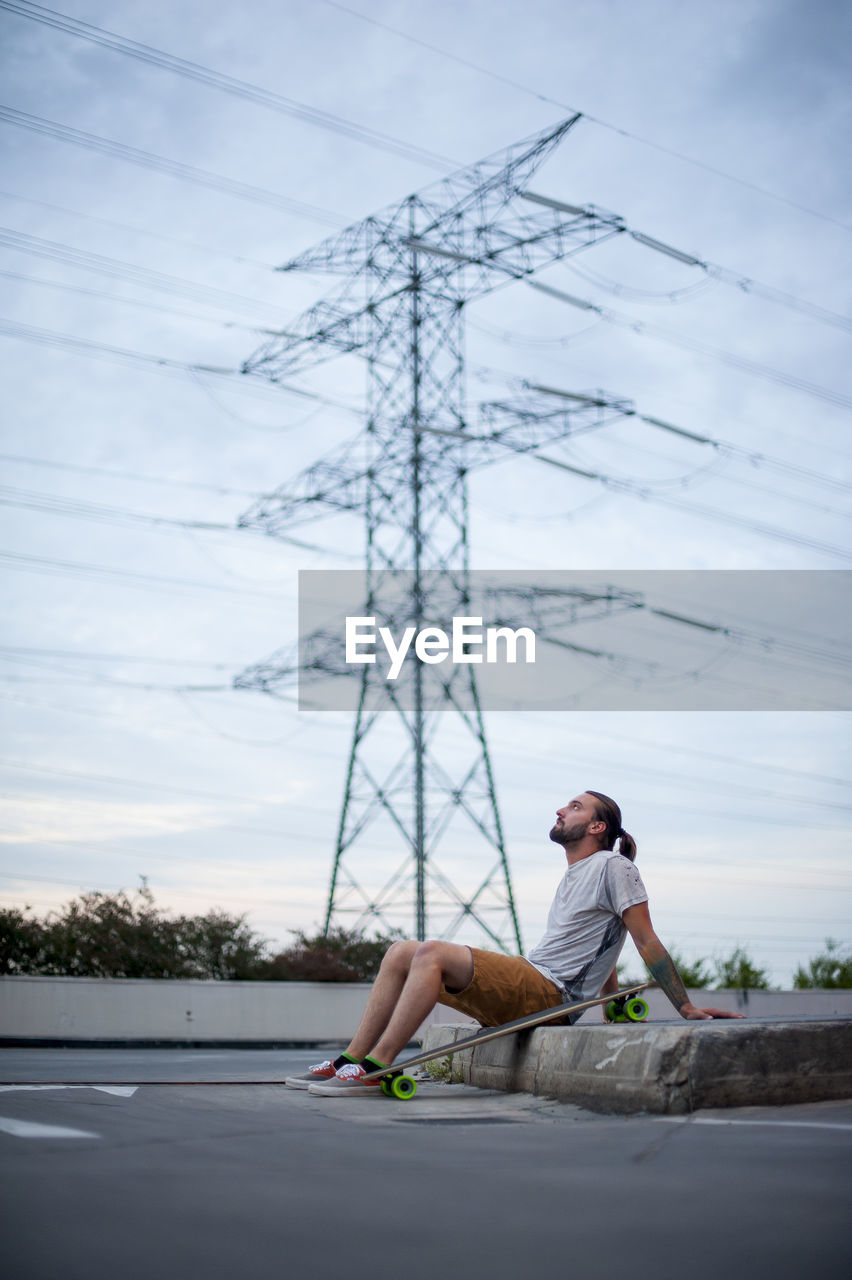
(507, 1028)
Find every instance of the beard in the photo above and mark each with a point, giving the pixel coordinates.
(568, 833)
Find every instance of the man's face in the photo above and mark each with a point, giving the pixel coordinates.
(573, 819)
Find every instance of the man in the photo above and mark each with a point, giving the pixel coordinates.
(600, 899)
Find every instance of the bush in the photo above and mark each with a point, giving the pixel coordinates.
(830, 970)
(738, 970)
(114, 935)
(338, 956)
(22, 943)
(118, 935)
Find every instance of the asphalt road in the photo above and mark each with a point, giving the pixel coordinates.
(213, 1182)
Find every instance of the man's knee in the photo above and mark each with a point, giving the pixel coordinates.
(454, 961)
(431, 952)
(399, 955)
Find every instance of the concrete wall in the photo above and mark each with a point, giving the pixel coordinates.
(132, 1009)
(128, 1009)
(670, 1068)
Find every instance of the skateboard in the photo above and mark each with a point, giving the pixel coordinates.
(621, 1006)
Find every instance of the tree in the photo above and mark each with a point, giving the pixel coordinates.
(114, 935)
(338, 956)
(738, 970)
(21, 942)
(118, 935)
(830, 970)
(217, 945)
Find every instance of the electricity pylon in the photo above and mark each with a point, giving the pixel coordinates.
(409, 273)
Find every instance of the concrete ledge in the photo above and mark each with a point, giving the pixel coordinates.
(669, 1069)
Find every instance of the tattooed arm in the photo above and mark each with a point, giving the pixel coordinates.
(661, 966)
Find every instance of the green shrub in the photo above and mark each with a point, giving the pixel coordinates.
(738, 970)
(116, 935)
(338, 956)
(119, 935)
(830, 970)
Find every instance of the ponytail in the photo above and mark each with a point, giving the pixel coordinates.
(627, 845)
(606, 810)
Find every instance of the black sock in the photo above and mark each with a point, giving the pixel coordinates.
(373, 1064)
(343, 1061)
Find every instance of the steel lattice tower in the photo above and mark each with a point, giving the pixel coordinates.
(409, 272)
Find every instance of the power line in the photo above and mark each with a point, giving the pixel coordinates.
(133, 782)
(113, 473)
(67, 341)
(632, 768)
(284, 838)
(101, 573)
(714, 273)
(55, 505)
(227, 84)
(86, 656)
(127, 302)
(139, 231)
(69, 255)
(733, 761)
(752, 457)
(723, 452)
(646, 493)
(161, 164)
(87, 680)
(713, 469)
(693, 344)
(708, 513)
(603, 124)
(103, 351)
(65, 709)
(570, 339)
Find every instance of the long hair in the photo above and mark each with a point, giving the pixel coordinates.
(606, 810)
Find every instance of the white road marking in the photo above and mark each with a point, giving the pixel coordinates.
(765, 1124)
(117, 1090)
(29, 1129)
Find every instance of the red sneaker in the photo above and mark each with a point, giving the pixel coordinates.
(313, 1075)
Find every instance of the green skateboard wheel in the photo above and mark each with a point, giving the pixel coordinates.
(612, 1010)
(387, 1087)
(403, 1087)
(636, 1010)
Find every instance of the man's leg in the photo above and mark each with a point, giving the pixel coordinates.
(406, 993)
(387, 988)
(406, 989)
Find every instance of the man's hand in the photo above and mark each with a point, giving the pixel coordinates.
(690, 1012)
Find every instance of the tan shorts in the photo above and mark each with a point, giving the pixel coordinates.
(502, 988)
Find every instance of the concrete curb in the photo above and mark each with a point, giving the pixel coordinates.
(670, 1069)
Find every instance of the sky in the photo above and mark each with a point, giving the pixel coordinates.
(132, 601)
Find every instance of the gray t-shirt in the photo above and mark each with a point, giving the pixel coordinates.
(585, 932)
